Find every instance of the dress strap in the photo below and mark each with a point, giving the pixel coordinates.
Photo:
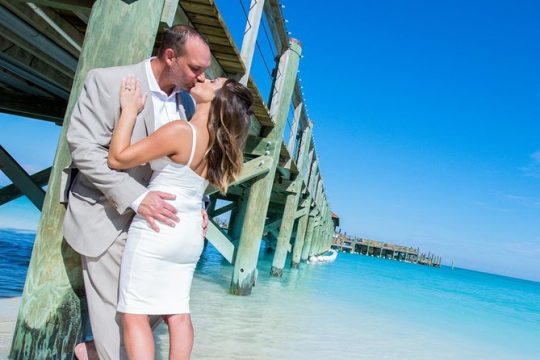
(193, 143)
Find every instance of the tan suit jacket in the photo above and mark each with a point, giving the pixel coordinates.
(99, 197)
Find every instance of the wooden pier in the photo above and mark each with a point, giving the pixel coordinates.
(48, 47)
(356, 245)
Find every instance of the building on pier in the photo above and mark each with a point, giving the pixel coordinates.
(356, 245)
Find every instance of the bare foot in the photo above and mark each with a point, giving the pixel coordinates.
(86, 351)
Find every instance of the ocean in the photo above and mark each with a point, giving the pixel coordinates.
(357, 307)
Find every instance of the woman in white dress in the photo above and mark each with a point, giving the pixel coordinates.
(157, 267)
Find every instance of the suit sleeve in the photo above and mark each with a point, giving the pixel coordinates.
(88, 136)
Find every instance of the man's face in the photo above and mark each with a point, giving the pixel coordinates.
(188, 69)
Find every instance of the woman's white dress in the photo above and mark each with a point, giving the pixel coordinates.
(157, 268)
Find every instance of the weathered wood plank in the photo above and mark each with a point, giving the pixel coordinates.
(31, 16)
(259, 107)
(274, 18)
(220, 241)
(198, 8)
(258, 146)
(169, 12)
(34, 51)
(203, 19)
(250, 36)
(12, 192)
(32, 76)
(64, 4)
(37, 107)
(21, 179)
(29, 62)
(20, 84)
(250, 170)
(222, 210)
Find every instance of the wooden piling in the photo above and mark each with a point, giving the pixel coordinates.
(300, 236)
(289, 213)
(49, 321)
(245, 267)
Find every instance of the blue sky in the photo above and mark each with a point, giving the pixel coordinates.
(427, 123)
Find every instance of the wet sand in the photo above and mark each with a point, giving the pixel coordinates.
(8, 316)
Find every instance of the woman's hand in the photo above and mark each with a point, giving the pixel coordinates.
(131, 98)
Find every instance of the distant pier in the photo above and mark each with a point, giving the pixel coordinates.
(375, 248)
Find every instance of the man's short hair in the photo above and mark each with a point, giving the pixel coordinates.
(175, 38)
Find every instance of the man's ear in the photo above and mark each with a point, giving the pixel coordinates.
(169, 55)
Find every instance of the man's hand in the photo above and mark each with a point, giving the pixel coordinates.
(155, 207)
(204, 222)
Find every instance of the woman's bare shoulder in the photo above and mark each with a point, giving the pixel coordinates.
(176, 128)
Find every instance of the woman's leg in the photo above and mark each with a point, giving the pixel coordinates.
(138, 338)
(180, 336)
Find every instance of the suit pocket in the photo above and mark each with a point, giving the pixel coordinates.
(82, 190)
(84, 198)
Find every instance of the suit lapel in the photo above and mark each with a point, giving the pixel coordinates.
(147, 114)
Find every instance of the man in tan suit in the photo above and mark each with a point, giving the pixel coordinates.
(102, 201)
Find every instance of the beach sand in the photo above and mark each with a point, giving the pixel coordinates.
(8, 316)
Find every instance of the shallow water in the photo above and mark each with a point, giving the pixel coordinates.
(354, 308)
(365, 308)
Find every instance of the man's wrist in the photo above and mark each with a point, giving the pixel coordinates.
(137, 202)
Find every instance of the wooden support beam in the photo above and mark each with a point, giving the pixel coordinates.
(289, 217)
(21, 179)
(49, 22)
(40, 41)
(37, 107)
(19, 84)
(237, 216)
(250, 36)
(274, 19)
(12, 192)
(170, 8)
(34, 49)
(222, 210)
(220, 241)
(292, 136)
(301, 230)
(308, 237)
(313, 250)
(272, 225)
(21, 58)
(301, 212)
(258, 146)
(71, 5)
(285, 186)
(245, 269)
(304, 155)
(49, 320)
(250, 170)
(31, 76)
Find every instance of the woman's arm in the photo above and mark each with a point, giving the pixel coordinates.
(163, 142)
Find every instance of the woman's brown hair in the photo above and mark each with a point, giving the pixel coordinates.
(228, 126)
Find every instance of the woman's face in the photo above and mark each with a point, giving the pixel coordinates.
(205, 91)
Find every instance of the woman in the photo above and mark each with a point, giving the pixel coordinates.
(157, 267)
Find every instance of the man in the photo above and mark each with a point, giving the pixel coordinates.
(102, 201)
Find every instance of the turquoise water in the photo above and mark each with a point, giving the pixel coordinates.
(354, 308)
(365, 308)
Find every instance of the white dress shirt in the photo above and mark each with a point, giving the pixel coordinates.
(166, 108)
